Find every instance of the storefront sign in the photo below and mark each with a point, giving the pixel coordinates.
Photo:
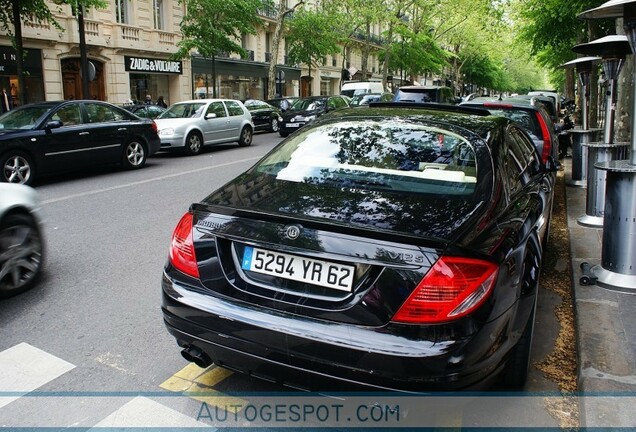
(148, 65)
(32, 61)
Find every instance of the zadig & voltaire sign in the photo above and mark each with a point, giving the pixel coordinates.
(148, 65)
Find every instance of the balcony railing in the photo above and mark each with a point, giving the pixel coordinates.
(130, 33)
(374, 39)
(91, 28)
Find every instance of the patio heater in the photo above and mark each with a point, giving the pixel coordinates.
(618, 254)
(583, 134)
(613, 50)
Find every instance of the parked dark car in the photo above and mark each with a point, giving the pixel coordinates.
(308, 109)
(21, 239)
(533, 117)
(424, 94)
(264, 116)
(397, 247)
(146, 110)
(283, 103)
(48, 137)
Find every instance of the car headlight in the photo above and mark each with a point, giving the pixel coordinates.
(310, 118)
(167, 131)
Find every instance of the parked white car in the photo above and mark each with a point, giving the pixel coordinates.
(190, 125)
(21, 242)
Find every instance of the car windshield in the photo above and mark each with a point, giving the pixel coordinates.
(308, 104)
(23, 118)
(184, 110)
(370, 154)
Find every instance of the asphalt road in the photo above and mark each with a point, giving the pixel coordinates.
(97, 308)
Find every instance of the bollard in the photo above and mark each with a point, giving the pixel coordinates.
(596, 179)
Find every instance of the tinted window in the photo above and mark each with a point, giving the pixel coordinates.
(234, 108)
(103, 113)
(216, 108)
(526, 118)
(69, 115)
(522, 158)
(388, 155)
(184, 110)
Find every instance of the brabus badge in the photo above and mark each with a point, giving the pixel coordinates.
(292, 232)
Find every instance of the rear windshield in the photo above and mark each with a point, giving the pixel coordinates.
(384, 155)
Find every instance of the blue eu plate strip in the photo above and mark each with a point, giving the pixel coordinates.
(247, 258)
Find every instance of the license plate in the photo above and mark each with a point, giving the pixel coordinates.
(301, 269)
(292, 125)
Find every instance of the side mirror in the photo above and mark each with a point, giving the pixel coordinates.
(53, 124)
(210, 116)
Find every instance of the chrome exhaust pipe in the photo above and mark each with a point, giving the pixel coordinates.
(196, 356)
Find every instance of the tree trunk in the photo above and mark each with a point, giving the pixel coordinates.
(273, 59)
(19, 49)
(387, 55)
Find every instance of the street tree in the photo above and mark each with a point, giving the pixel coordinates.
(310, 36)
(283, 12)
(212, 27)
(13, 12)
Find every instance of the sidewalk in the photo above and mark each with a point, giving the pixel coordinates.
(605, 325)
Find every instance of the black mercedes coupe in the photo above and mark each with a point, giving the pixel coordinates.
(394, 248)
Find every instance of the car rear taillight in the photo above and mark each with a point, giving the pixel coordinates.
(452, 288)
(154, 127)
(182, 255)
(547, 140)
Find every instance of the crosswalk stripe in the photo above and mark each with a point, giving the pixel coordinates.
(144, 412)
(24, 368)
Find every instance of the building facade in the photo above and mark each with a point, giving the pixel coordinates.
(129, 48)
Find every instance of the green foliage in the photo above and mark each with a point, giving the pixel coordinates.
(550, 28)
(214, 26)
(310, 36)
(415, 53)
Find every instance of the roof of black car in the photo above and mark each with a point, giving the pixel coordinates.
(476, 120)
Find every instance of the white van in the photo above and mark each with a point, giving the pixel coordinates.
(352, 88)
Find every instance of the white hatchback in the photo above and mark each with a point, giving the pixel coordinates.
(190, 125)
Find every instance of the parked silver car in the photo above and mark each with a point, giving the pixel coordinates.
(21, 242)
(190, 125)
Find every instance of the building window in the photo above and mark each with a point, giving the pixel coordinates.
(157, 10)
(121, 11)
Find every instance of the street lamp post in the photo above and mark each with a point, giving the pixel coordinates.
(618, 254)
(613, 50)
(582, 135)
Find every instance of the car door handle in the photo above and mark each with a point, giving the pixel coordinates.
(84, 133)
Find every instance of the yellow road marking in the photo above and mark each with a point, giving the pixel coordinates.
(192, 379)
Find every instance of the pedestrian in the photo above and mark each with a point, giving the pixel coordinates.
(148, 100)
(161, 102)
(7, 102)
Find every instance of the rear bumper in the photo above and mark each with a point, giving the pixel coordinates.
(311, 354)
